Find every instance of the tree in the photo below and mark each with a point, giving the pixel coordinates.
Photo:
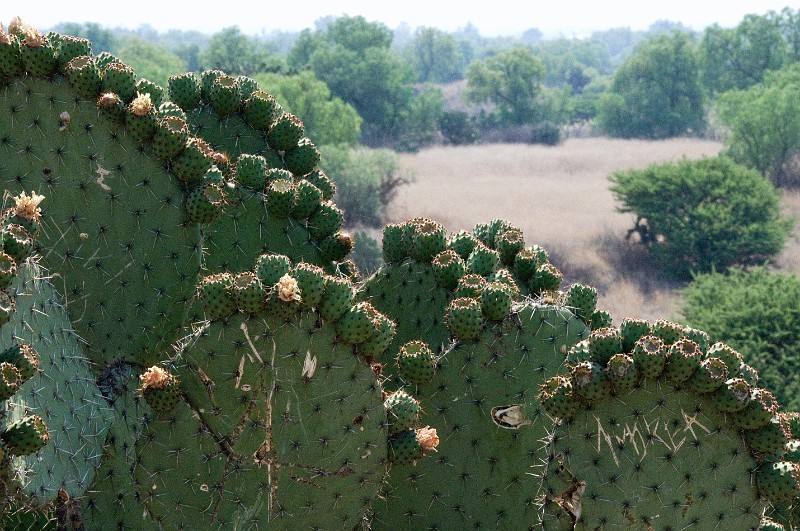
(756, 312)
(436, 56)
(656, 92)
(764, 123)
(327, 120)
(151, 61)
(357, 34)
(103, 40)
(695, 216)
(738, 58)
(511, 80)
(238, 55)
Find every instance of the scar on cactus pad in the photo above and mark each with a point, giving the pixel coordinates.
(666, 423)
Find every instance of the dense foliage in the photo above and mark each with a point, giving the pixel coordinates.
(757, 313)
(695, 216)
(656, 92)
(764, 123)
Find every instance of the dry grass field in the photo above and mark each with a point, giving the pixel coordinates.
(559, 196)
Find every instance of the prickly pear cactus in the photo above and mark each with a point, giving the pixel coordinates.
(115, 228)
(661, 435)
(61, 390)
(277, 202)
(482, 400)
(283, 424)
(426, 270)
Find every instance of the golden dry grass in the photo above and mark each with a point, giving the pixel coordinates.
(559, 196)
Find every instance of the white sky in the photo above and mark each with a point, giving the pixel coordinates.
(491, 17)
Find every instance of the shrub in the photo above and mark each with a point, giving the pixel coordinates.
(757, 313)
(366, 181)
(698, 215)
(546, 133)
(458, 128)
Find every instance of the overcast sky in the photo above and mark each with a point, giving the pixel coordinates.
(491, 17)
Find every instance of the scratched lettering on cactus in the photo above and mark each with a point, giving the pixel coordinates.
(642, 434)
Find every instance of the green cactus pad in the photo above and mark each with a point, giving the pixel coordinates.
(483, 404)
(62, 391)
(112, 210)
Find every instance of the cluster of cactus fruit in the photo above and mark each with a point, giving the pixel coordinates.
(185, 345)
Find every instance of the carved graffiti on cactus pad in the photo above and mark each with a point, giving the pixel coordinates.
(643, 434)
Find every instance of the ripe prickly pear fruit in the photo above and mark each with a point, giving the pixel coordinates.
(779, 482)
(483, 261)
(225, 96)
(590, 381)
(184, 90)
(470, 285)
(557, 398)
(25, 436)
(8, 269)
(251, 171)
(667, 331)
(204, 203)
(582, 299)
(683, 360)
(622, 373)
(24, 358)
(249, 293)
(604, 343)
(260, 109)
(710, 376)
(769, 439)
(448, 268)
(10, 380)
(416, 362)
(84, 75)
(409, 445)
(302, 158)
(306, 200)
(141, 121)
(270, 268)
(402, 411)
(120, 79)
(632, 330)
(496, 301)
(216, 295)
(160, 389)
(464, 318)
(285, 132)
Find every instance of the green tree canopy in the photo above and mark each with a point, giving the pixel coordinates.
(328, 120)
(511, 80)
(436, 56)
(757, 313)
(150, 60)
(238, 54)
(656, 92)
(764, 124)
(695, 216)
(738, 58)
(353, 57)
